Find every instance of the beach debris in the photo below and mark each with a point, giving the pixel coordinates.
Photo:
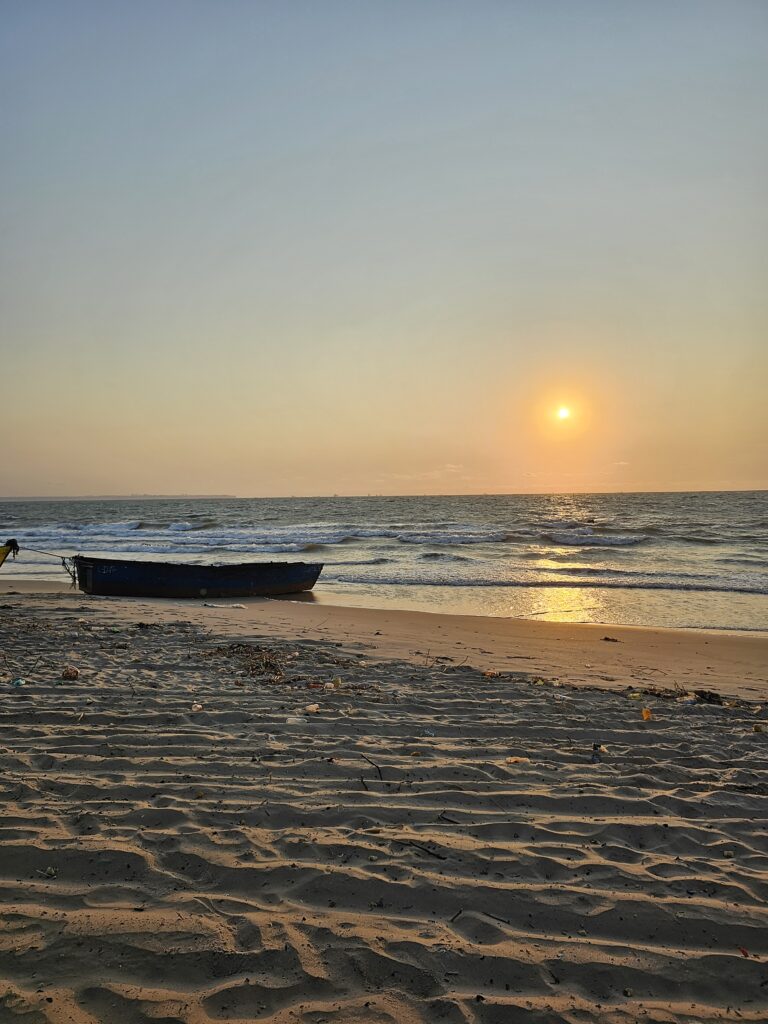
(209, 604)
(628, 992)
(610, 640)
(757, 727)
(253, 660)
(728, 854)
(709, 697)
(490, 674)
(312, 709)
(596, 752)
(420, 846)
(647, 714)
(518, 760)
(743, 951)
(196, 707)
(373, 763)
(636, 695)
(18, 682)
(50, 872)
(70, 672)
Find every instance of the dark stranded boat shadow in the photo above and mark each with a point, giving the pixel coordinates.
(306, 597)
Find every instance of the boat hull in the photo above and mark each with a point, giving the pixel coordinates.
(118, 578)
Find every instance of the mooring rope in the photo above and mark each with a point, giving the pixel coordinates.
(39, 551)
(68, 564)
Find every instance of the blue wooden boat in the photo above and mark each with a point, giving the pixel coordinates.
(121, 578)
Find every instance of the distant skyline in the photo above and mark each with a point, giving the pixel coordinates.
(266, 249)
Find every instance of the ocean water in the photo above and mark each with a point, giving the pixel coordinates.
(688, 560)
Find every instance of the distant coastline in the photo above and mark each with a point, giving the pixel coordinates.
(116, 497)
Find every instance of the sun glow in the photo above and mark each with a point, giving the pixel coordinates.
(563, 413)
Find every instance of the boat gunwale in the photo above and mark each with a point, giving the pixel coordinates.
(192, 565)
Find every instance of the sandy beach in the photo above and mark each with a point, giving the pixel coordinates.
(441, 327)
(290, 812)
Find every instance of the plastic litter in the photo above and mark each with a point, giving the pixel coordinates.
(197, 707)
(647, 714)
(312, 709)
(70, 672)
(210, 604)
(596, 758)
(757, 727)
(518, 760)
(18, 682)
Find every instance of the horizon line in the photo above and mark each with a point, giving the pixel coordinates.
(293, 497)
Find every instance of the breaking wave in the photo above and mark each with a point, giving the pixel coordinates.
(585, 538)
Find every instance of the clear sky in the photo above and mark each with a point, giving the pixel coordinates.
(315, 247)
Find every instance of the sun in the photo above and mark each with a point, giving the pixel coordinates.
(563, 413)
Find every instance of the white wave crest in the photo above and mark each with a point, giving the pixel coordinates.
(586, 538)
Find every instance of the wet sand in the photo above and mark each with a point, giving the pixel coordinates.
(187, 839)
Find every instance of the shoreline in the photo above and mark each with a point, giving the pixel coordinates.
(744, 613)
(729, 662)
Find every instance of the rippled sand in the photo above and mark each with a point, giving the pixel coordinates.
(434, 844)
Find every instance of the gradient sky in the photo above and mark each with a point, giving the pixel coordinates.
(317, 247)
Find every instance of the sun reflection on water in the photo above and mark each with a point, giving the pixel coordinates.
(565, 604)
